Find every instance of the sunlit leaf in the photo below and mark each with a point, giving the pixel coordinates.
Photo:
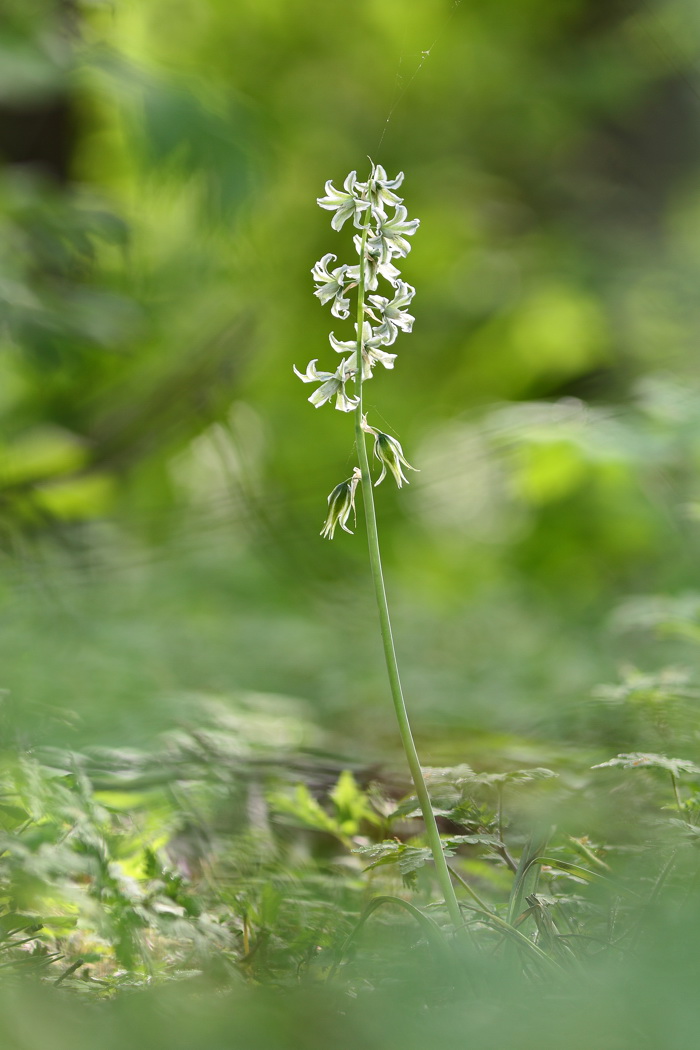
(646, 760)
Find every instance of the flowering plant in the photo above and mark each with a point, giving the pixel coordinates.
(379, 214)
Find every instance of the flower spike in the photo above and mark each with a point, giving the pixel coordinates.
(379, 214)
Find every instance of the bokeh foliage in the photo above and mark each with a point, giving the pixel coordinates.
(161, 166)
(163, 481)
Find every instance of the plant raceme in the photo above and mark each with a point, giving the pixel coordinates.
(377, 211)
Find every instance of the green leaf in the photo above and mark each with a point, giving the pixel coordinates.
(472, 840)
(42, 453)
(12, 816)
(76, 499)
(516, 776)
(645, 759)
(432, 931)
(408, 858)
(305, 810)
(351, 804)
(461, 776)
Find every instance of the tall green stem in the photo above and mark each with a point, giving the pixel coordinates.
(431, 828)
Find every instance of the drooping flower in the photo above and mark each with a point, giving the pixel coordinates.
(375, 355)
(341, 504)
(378, 189)
(374, 268)
(345, 204)
(330, 285)
(372, 354)
(389, 453)
(393, 312)
(350, 346)
(391, 234)
(332, 385)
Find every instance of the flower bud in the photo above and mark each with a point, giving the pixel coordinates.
(341, 504)
(390, 454)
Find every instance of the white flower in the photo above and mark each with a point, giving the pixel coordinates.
(332, 385)
(391, 234)
(393, 313)
(341, 503)
(373, 268)
(378, 189)
(350, 346)
(345, 205)
(372, 354)
(330, 285)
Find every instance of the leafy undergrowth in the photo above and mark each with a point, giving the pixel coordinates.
(238, 884)
(229, 856)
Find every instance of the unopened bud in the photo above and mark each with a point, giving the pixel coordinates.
(341, 504)
(390, 454)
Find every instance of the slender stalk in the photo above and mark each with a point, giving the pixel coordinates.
(676, 793)
(431, 828)
(472, 893)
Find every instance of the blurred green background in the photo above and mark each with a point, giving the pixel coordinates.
(176, 639)
(162, 477)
